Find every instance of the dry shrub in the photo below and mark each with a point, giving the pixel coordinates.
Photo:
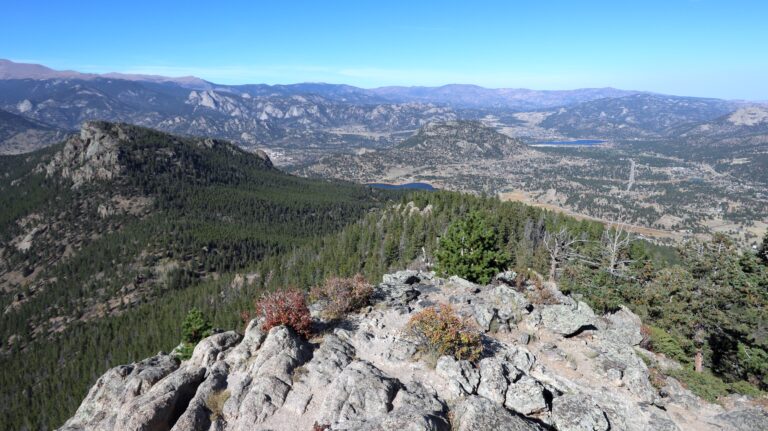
(342, 295)
(645, 331)
(215, 403)
(440, 331)
(656, 378)
(285, 307)
(542, 295)
(520, 280)
(320, 427)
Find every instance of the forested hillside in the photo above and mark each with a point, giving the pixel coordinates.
(216, 226)
(103, 228)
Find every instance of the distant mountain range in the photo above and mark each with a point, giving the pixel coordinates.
(13, 70)
(301, 123)
(635, 116)
(458, 95)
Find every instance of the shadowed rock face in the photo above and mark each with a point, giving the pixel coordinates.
(362, 375)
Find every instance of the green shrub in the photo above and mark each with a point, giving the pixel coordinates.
(704, 384)
(746, 388)
(440, 331)
(470, 250)
(754, 361)
(184, 351)
(660, 341)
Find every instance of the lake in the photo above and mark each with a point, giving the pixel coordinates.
(412, 186)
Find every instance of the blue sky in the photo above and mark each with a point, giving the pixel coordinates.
(687, 47)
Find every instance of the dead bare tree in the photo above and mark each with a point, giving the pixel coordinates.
(615, 242)
(560, 248)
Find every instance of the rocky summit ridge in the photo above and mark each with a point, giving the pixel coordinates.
(546, 365)
(101, 151)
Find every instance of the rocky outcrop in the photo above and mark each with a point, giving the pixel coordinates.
(108, 151)
(567, 319)
(478, 413)
(576, 412)
(577, 371)
(93, 155)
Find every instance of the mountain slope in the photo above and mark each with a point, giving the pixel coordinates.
(455, 142)
(20, 134)
(114, 178)
(457, 155)
(742, 124)
(121, 217)
(734, 144)
(635, 116)
(300, 122)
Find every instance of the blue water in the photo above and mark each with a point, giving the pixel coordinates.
(576, 142)
(412, 186)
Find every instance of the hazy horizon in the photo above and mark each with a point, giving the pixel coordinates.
(683, 47)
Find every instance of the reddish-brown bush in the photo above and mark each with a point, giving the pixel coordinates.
(440, 331)
(340, 296)
(285, 307)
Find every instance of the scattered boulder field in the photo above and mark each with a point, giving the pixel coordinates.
(546, 365)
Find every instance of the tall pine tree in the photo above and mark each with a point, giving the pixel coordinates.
(470, 250)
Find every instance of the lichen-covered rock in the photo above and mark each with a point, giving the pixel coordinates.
(461, 376)
(567, 319)
(402, 277)
(395, 295)
(158, 408)
(92, 155)
(464, 284)
(495, 375)
(361, 391)
(250, 344)
(208, 350)
(484, 316)
(526, 396)
(204, 408)
(262, 383)
(744, 420)
(659, 422)
(415, 408)
(508, 277)
(577, 412)
(477, 413)
(518, 356)
(312, 381)
(619, 361)
(117, 387)
(622, 327)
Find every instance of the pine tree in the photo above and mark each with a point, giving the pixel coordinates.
(195, 327)
(470, 250)
(763, 251)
